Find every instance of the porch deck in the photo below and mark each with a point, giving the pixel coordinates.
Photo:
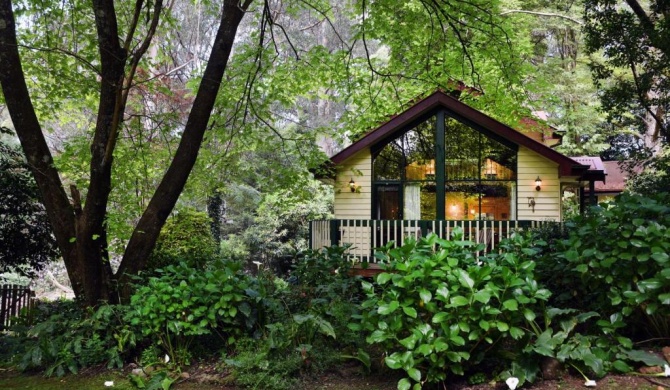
(365, 235)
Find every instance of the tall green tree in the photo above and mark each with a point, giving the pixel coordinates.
(122, 40)
(634, 40)
(97, 59)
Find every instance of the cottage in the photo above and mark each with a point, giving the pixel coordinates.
(442, 164)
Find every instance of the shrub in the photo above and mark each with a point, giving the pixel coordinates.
(615, 261)
(438, 308)
(68, 338)
(183, 302)
(185, 237)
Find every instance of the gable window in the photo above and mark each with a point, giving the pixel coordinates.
(444, 169)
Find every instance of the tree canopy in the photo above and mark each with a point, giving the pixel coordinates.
(126, 110)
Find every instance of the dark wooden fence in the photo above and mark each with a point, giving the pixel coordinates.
(13, 299)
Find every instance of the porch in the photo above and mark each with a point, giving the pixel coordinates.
(365, 235)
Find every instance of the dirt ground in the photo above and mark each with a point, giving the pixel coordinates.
(347, 377)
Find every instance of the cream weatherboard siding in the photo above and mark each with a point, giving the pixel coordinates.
(355, 205)
(530, 165)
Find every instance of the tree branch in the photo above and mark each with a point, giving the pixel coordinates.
(547, 14)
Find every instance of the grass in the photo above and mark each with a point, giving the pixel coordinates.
(13, 380)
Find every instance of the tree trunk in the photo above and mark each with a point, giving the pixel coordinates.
(161, 204)
(80, 231)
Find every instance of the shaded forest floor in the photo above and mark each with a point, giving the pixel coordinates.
(345, 377)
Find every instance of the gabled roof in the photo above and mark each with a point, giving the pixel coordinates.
(440, 100)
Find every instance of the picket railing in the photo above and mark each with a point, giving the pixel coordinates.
(366, 235)
(13, 300)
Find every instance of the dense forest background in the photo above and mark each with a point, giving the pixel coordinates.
(116, 93)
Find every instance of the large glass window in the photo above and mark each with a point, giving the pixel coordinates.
(479, 174)
(404, 175)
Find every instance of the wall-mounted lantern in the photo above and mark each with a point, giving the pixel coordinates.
(352, 185)
(538, 183)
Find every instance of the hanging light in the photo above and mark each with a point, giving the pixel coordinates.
(538, 183)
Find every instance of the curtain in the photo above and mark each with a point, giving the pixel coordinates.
(412, 202)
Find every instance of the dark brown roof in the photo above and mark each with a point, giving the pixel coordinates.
(616, 177)
(437, 100)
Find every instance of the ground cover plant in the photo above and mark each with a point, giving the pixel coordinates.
(440, 308)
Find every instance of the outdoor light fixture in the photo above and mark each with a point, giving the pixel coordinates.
(531, 203)
(352, 185)
(538, 183)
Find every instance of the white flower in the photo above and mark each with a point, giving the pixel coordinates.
(109, 383)
(666, 370)
(258, 264)
(512, 382)
(167, 358)
(590, 383)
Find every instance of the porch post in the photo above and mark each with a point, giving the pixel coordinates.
(592, 193)
(334, 230)
(439, 166)
(581, 200)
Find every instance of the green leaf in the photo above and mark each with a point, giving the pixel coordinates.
(404, 384)
(645, 357)
(482, 296)
(459, 300)
(425, 295)
(516, 333)
(443, 292)
(465, 279)
(414, 374)
(394, 361)
(440, 317)
(410, 311)
(511, 304)
(388, 308)
(383, 278)
(529, 315)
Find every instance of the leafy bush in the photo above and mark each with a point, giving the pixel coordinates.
(183, 302)
(185, 237)
(67, 338)
(26, 236)
(438, 308)
(615, 261)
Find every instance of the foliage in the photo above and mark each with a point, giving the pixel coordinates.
(614, 260)
(633, 73)
(186, 237)
(302, 323)
(439, 308)
(183, 302)
(66, 338)
(256, 367)
(273, 229)
(654, 179)
(25, 232)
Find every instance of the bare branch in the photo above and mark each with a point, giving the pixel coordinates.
(545, 14)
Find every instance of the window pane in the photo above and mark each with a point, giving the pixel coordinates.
(462, 200)
(461, 151)
(388, 202)
(498, 161)
(411, 156)
(419, 201)
(496, 200)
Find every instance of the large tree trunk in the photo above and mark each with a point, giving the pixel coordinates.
(146, 233)
(80, 231)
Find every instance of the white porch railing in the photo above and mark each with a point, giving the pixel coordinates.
(366, 235)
